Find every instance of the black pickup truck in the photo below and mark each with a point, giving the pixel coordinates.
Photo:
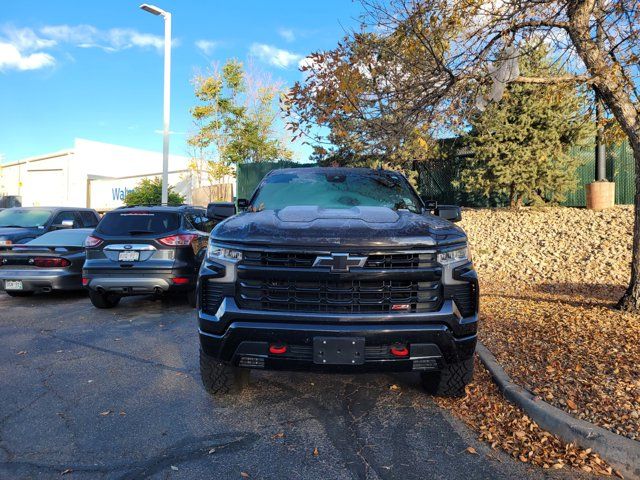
(337, 270)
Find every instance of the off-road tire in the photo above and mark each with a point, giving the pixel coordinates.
(13, 293)
(104, 300)
(219, 378)
(450, 381)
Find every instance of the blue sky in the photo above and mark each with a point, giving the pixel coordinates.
(94, 69)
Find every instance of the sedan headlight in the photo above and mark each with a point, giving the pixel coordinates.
(457, 255)
(222, 253)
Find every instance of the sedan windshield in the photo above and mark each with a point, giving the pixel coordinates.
(336, 189)
(24, 217)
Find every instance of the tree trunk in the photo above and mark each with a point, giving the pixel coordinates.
(512, 196)
(612, 88)
(630, 301)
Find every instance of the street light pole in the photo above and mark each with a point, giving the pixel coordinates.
(167, 96)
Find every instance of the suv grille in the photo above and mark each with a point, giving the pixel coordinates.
(305, 260)
(338, 296)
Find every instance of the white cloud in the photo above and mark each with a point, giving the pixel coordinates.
(274, 56)
(13, 59)
(206, 46)
(287, 34)
(112, 40)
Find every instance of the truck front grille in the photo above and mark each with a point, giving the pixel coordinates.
(306, 260)
(338, 296)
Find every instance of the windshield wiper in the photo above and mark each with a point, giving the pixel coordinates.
(13, 226)
(140, 232)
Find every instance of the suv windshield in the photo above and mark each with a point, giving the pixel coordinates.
(24, 217)
(138, 223)
(336, 189)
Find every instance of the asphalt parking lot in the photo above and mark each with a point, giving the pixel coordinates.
(89, 393)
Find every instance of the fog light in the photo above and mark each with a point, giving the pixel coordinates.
(85, 282)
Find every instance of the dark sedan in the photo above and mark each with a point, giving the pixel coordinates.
(19, 225)
(52, 261)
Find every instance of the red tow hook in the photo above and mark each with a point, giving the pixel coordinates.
(277, 349)
(399, 350)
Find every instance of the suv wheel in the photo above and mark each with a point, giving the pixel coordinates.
(104, 300)
(450, 381)
(13, 293)
(220, 378)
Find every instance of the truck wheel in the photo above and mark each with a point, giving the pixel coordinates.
(220, 378)
(13, 293)
(104, 300)
(450, 381)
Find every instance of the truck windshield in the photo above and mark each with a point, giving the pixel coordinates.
(336, 189)
(24, 217)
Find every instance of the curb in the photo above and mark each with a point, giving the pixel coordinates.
(620, 452)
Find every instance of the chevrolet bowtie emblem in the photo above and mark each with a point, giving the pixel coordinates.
(340, 262)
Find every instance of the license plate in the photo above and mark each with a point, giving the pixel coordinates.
(13, 285)
(338, 351)
(129, 256)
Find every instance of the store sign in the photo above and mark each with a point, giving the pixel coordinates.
(118, 193)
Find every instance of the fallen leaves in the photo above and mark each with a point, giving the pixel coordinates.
(394, 388)
(105, 413)
(316, 452)
(278, 435)
(22, 352)
(471, 450)
(66, 471)
(549, 281)
(244, 474)
(504, 426)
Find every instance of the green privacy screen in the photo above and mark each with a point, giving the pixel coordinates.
(250, 174)
(436, 179)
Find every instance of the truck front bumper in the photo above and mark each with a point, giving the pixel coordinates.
(243, 338)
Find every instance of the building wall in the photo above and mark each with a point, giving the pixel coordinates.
(66, 178)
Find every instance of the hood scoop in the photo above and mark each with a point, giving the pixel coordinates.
(304, 214)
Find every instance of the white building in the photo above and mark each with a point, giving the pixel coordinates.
(98, 175)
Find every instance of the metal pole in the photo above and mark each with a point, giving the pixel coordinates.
(167, 107)
(601, 162)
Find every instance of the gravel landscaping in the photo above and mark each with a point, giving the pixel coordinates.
(550, 278)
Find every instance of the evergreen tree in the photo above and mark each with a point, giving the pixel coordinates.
(520, 145)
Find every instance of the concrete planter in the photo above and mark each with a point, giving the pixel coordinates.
(601, 195)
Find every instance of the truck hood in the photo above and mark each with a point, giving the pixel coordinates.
(325, 227)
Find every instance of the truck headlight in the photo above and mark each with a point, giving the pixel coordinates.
(216, 251)
(456, 255)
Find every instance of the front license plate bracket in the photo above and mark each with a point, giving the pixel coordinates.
(338, 350)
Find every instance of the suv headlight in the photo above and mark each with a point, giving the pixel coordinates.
(216, 251)
(457, 255)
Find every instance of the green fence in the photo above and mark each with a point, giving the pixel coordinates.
(250, 174)
(436, 179)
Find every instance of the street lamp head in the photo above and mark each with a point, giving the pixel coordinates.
(152, 9)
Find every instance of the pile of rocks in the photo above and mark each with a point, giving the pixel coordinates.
(551, 245)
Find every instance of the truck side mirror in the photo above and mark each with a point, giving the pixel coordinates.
(429, 204)
(243, 203)
(220, 210)
(64, 224)
(453, 213)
